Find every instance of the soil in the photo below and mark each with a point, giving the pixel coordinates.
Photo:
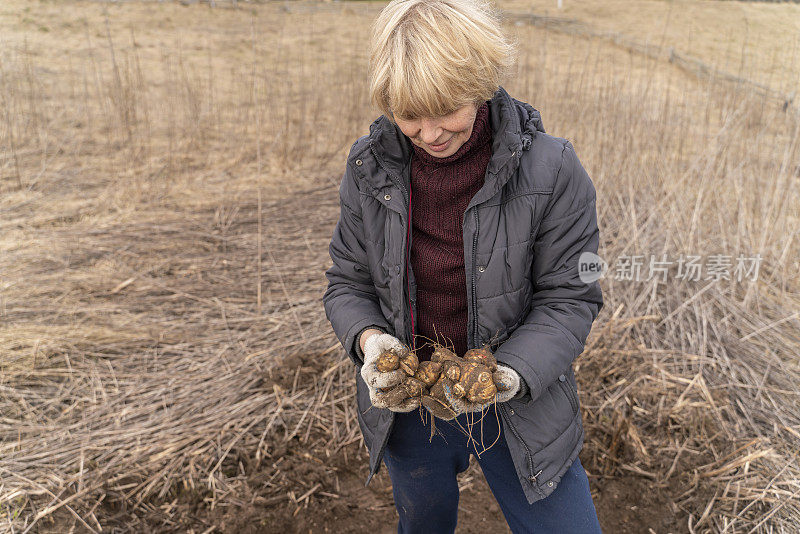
(625, 505)
(342, 504)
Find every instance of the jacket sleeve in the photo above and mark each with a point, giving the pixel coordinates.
(351, 303)
(554, 331)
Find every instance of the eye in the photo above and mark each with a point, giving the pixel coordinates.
(405, 118)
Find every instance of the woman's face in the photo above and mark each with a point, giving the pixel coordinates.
(440, 136)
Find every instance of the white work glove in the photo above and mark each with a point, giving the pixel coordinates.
(507, 381)
(374, 346)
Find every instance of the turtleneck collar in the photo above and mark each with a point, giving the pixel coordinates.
(481, 134)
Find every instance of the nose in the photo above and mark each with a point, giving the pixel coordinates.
(430, 132)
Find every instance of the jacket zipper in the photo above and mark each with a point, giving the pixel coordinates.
(475, 340)
(528, 455)
(408, 277)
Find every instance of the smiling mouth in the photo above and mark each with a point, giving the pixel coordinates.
(439, 148)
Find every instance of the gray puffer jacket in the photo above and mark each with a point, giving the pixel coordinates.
(523, 234)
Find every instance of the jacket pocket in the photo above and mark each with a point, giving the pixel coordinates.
(570, 393)
(533, 473)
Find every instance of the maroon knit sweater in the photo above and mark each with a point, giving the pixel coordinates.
(441, 190)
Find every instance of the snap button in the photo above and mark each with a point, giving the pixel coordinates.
(511, 411)
(387, 197)
(359, 162)
(550, 484)
(562, 378)
(481, 269)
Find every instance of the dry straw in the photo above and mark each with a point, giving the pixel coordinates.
(144, 358)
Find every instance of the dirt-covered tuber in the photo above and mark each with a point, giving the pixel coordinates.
(469, 378)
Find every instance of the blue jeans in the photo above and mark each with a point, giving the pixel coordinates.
(425, 488)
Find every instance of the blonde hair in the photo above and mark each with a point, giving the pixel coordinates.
(429, 58)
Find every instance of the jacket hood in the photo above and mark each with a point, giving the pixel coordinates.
(514, 126)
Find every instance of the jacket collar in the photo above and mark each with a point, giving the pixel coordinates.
(514, 125)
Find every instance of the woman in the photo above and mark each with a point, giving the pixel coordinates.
(462, 220)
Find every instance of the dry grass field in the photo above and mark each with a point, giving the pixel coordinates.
(168, 187)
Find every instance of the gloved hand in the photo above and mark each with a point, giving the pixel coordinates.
(508, 382)
(505, 378)
(374, 346)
